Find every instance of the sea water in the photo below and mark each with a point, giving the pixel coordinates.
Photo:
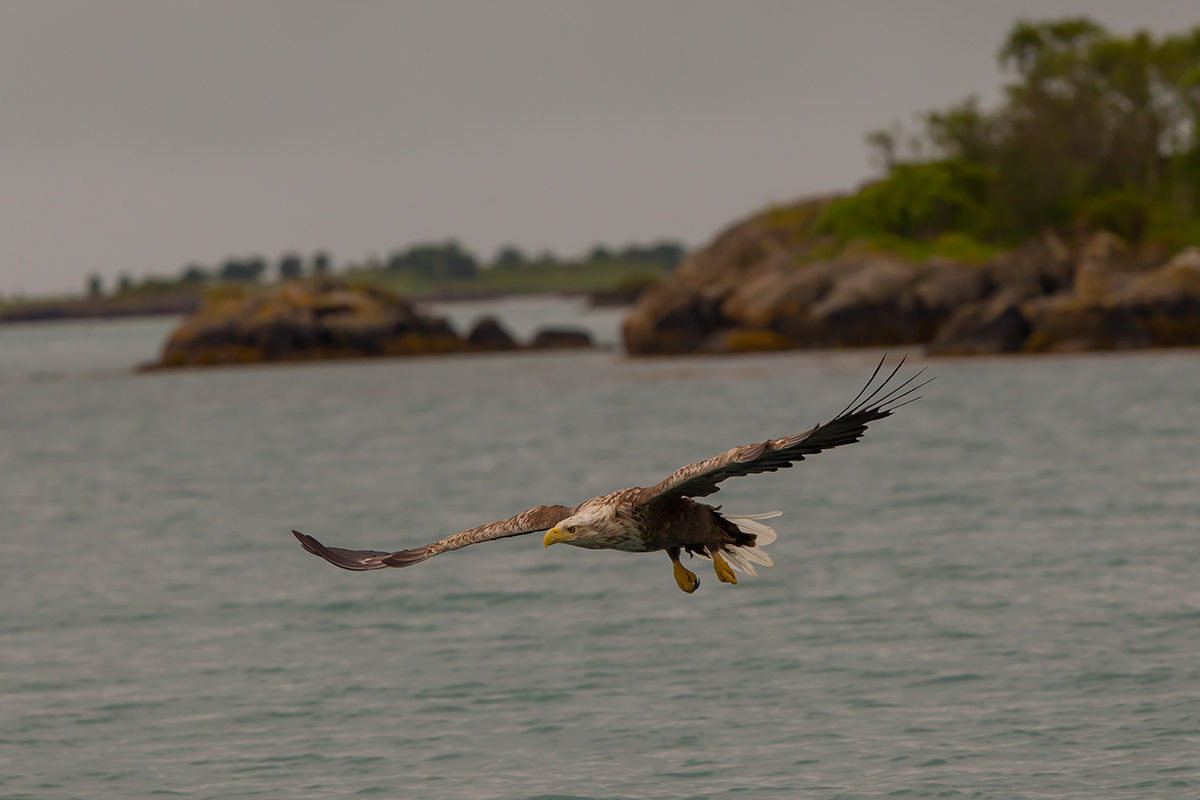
(995, 594)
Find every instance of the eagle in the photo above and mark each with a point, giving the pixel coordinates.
(665, 516)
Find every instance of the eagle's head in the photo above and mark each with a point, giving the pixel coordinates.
(589, 529)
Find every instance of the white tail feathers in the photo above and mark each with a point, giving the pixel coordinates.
(743, 559)
(750, 524)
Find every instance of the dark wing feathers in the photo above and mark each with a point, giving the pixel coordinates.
(354, 560)
(699, 480)
(536, 519)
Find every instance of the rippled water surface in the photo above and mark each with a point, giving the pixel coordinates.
(995, 594)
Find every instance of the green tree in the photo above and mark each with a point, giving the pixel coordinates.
(321, 263)
(193, 274)
(247, 270)
(432, 261)
(290, 267)
(509, 257)
(1094, 128)
(669, 254)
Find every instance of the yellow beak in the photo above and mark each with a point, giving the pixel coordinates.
(556, 535)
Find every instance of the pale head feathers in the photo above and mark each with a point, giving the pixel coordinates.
(597, 526)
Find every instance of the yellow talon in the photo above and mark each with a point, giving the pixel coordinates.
(686, 579)
(723, 570)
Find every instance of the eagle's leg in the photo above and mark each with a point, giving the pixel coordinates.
(722, 568)
(686, 579)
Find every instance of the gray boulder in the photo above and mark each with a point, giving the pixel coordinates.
(870, 305)
(489, 334)
(990, 326)
(1106, 264)
(668, 320)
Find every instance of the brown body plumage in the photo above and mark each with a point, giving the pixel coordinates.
(664, 516)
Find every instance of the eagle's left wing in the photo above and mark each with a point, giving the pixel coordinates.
(699, 480)
(538, 518)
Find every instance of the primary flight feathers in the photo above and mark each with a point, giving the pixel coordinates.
(664, 517)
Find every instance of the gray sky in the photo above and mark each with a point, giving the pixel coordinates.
(141, 136)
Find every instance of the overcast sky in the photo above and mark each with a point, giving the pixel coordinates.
(142, 136)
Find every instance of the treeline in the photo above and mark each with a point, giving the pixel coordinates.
(1096, 131)
(252, 269)
(449, 260)
(256, 268)
(441, 261)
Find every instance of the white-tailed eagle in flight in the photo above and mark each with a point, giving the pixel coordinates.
(664, 516)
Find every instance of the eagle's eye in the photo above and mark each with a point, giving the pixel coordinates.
(571, 529)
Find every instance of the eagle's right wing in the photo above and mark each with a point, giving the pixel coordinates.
(701, 479)
(538, 518)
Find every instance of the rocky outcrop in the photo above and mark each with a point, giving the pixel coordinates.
(1039, 266)
(669, 319)
(489, 334)
(993, 326)
(680, 314)
(1105, 263)
(305, 321)
(321, 319)
(761, 286)
(1112, 303)
(1134, 309)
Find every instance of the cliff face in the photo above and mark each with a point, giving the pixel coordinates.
(763, 285)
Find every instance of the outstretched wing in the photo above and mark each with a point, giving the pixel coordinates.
(538, 518)
(699, 480)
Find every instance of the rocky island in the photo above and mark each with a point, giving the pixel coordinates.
(766, 284)
(1064, 219)
(322, 319)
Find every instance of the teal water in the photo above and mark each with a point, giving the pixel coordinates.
(995, 594)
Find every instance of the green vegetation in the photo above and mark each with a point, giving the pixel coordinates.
(435, 262)
(433, 269)
(441, 268)
(1096, 132)
(448, 267)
